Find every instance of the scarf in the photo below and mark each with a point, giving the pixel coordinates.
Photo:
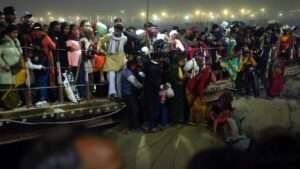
(112, 44)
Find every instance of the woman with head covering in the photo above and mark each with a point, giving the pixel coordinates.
(10, 55)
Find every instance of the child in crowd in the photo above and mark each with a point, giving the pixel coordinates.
(166, 92)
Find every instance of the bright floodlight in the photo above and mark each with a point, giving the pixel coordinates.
(164, 14)
(155, 17)
(212, 17)
(226, 12)
(61, 19)
(252, 15)
(143, 14)
(243, 11)
(187, 17)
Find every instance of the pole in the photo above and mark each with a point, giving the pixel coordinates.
(147, 10)
(59, 78)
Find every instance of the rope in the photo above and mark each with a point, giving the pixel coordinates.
(66, 50)
(53, 87)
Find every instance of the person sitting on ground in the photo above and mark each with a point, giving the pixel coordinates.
(221, 111)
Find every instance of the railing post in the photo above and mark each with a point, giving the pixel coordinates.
(87, 83)
(59, 78)
(28, 94)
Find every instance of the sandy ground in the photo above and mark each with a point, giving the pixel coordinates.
(169, 149)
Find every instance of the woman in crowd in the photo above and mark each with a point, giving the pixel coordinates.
(62, 43)
(195, 94)
(10, 55)
(75, 58)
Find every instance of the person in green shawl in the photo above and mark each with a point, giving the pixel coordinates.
(232, 64)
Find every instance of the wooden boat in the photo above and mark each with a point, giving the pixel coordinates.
(27, 123)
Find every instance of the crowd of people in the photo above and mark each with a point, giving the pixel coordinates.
(160, 74)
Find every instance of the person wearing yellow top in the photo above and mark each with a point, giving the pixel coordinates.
(112, 45)
(247, 76)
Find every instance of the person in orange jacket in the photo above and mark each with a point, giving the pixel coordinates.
(42, 54)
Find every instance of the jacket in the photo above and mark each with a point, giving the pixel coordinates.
(10, 54)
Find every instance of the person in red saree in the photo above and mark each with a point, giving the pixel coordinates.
(276, 80)
(195, 89)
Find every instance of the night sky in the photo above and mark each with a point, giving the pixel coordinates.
(87, 7)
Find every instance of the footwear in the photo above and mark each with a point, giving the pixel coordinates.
(41, 104)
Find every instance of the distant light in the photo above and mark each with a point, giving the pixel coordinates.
(203, 13)
(61, 19)
(164, 14)
(41, 19)
(187, 17)
(122, 11)
(210, 13)
(263, 10)
(51, 18)
(143, 14)
(77, 18)
(212, 17)
(197, 12)
(225, 12)
(243, 11)
(252, 16)
(155, 17)
(232, 16)
(49, 13)
(280, 14)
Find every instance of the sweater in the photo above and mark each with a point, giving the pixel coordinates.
(10, 54)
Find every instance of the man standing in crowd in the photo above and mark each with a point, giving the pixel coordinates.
(24, 28)
(129, 86)
(10, 14)
(6, 18)
(115, 57)
(42, 54)
(152, 87)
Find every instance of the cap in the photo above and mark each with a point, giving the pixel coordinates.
(9, 10)
(37, 26)
(27, 14)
